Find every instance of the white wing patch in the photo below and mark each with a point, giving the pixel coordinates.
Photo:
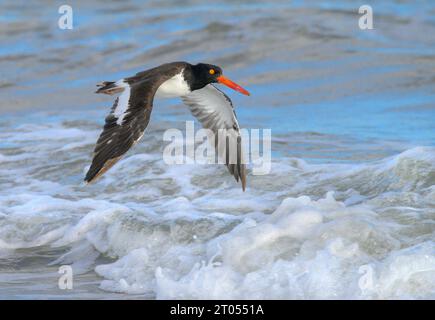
(122, 105)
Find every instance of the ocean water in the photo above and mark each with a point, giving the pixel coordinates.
(347, 211)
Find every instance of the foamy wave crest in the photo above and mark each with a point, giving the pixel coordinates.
(304, 231)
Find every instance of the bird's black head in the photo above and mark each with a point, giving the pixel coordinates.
(203, 74)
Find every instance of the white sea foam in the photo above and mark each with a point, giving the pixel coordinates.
(305, 231)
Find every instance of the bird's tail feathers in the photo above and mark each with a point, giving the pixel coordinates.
(110, 87)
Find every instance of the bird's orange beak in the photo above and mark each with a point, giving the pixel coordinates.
(232, 85)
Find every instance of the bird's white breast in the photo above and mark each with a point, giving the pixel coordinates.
(174, 87)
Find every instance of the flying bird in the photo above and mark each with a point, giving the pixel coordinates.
(131, 111)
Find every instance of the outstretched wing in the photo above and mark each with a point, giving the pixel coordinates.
(215, 111)
(124, 125)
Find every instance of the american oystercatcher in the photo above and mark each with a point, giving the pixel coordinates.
(131, 112)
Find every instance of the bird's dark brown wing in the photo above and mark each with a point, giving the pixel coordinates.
(126, 122)
(215, 111)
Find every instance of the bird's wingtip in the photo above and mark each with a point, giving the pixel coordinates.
(243, 178)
